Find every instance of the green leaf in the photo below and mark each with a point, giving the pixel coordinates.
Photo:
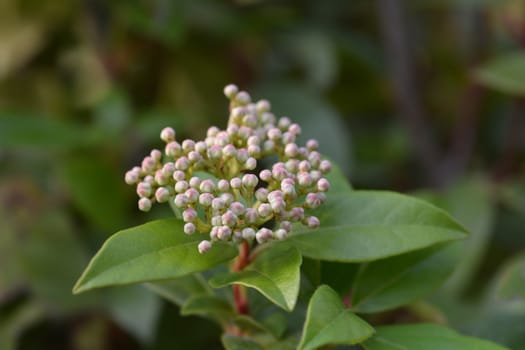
(275, 273)
(338, 181)
(180, 290)
(505, 73)
(369, 225)
(208, 305)
(392, 282)
(328, 322)
(511, 283)
(157, 250)
(425, 336)
(232, 342)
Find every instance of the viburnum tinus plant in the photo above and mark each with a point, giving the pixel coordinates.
(305, 253)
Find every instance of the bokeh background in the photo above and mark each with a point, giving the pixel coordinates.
(418, 96)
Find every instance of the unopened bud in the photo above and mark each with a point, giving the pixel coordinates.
(204, 247)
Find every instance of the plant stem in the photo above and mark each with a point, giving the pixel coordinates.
(240, 295)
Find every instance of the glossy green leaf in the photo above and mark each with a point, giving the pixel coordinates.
(328, 322)
(392, 282)
(208, 305)
(157, 250)
(232, 342)
(369, 225)
(425, 336)
(511, 283)
(180, 290)
(275, 273)
(504, 73)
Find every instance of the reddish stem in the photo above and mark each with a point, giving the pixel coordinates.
(240, 296)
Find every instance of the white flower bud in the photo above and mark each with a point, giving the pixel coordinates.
(227, 198)
(224, 233)
(323, 185)
(284, 123)
(243, 98)
(312, 145)
(251, 216)
(237, 235)
(263, 235)
(316, 175)
(269, 146)
(173, 149)
(229, 151)
(292, 165)
(314, 158)
(189, 215)
(213, 232)
(312, 200)
(144, 204)
(194, 182)
(251, 164)
(148, 164)
(264, 210)
(279, 171)
(325, 166)
(230, 91)
(144, 189)
(274, 134)
(216, 220)
(181, 186)
(277, 205)
(201, 147)
(249, 120)
(238, 208)
(304, 179)
(261, 194)
(204, 246)
(193, 195)
(229, 218)
(265, 175)
(312, 222)
(250, 181)
(245, 132)
(267, 118)
(242, 155)
(254, 150)
(248, 233)
(207, 186)
(167, 134)
(253, 141)
(194, 157)
(215, 152)
(223, 185)
(181, 200)
(288, 138)
(304, 166)
(236, 183)
(189, 228)
(168, 169)
(182, 163)
(212, 131)
(275, 195)
(160, 178)
(156, 155)
(286, 225)
(281, 234)
(149, 179)
(162, 194)
(290, 150)
(205, 199)
(132, 177)
(295, 129)
(179, 175)
(263, 106)
(297, 214)
(218, 204)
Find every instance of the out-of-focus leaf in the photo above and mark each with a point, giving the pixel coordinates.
(231, 342)
(317, 118)
(158, 250)
(425, 336)
(511, 282)
(328, 322)
(209, 306)
(135, 309)
(275, 273)
(19, 42)
(180, 290)
(370, 225)
(39, 132)
(12, 327)
(504, 73)
(98, 190)
(392, 282)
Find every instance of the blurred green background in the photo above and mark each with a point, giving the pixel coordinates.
(421, 96)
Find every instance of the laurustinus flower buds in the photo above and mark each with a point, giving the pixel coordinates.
(217, 187)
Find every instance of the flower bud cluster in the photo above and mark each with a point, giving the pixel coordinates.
(214, 183)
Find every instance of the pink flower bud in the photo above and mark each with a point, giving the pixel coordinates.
(254, 150)
(168, 169)
(216, 220)
(207, 186)
(173, 149)
(195, 182)
(250, 121)
(218, 204)
(251, 216)
(274, 134)
(312, 222)
(261, 194)
(245, 132)
(277, 194)
(215, 152)
(193, 195)
(281, 234)
(295, 129)
(160, 178)
(279, 172)
(204, 246)
(229, 151)
(236, 115)
(213, 232)
(189, 228)
(265, 175)
(286, 225)
(236, 183)
(242, 155)
(296, 214)
(224, 233)
(205, 199)
(248, 233)
(179, 175)
(269, 146)
(242, 98)
(189, 215)
(316, 175)
(132, 177)
(312, 145)
(253, 141)
(167, 134)
(314, 158)
(223, 185)
(263, 106)
(201, 147)
(288, 138)
(278, 205)
(162, 194)
(238, 208)
(227, 198)
(304, 166)
(264, 210)
(229, 218)
(156, 155)
(263, 235)
(144, 189)
(284, 123)
(181, 200)
(149, 179)
(194, 157)
(323, 185)
(181, 186)
(230, 91)
(182, 163)
(312, 200)
(212, 131)
(267, 118)
(144, 204)
(148, 164)
(250, 181)
(290, 150)
(325, 166)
